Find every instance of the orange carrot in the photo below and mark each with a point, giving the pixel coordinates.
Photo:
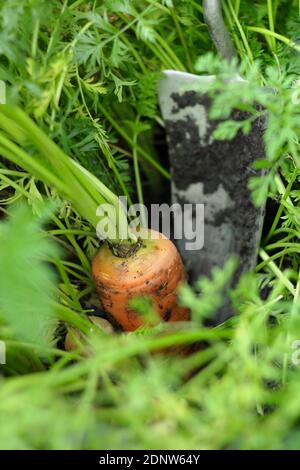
(154, 270)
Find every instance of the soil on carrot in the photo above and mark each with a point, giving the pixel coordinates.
(119, 280)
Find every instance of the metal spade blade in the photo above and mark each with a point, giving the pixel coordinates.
(210, 172)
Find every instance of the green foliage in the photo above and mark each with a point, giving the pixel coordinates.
(86, 74)
(241, 381)
(52, 166)
(144, 307)
(211, 297)
(275, 105)
(26, 281)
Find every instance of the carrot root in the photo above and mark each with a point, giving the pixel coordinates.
(155, 271)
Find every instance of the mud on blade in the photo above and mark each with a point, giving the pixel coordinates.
(214, 173)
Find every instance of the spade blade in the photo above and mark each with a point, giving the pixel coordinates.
(213, 173)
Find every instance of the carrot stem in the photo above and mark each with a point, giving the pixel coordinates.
(52, 166)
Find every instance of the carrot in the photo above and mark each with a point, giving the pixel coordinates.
(154, 270)
(123, 268)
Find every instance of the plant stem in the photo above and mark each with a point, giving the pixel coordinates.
(261, 265)
(142, 152)
(271, 24)
(237, 7)
(243, 36)
(285, 281)
(104, 148)
(280, 37)
(183, 41)
(285, 196)
(288, 336)
(35, 35)
(235, 37)
(138, 179)
(176, 61)
(134, 53)
(163, 56)
(197, 6)
(70, 236)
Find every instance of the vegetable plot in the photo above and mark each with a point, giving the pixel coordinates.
(92, 332)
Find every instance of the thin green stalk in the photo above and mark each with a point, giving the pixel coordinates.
(293, 232)
(212, 368)
(71, 292)
(285, 281)
(105, 149)
(135, 54)
(177, 62)
(128, 139)
(158, 52)
(17, 187)
(20, 174)
(236, 39)
(282, 253)
(237, 7)
(74, 270)
(157, 5)
(76, 4)
(87, 291)
(112, 165)
(71, 231)
(129, 25)
(64, 360)
(74, 266)
(79, 252)
(54, 32)
(183, 41)
(271, 24)
(73, 273)
(34, 43)
(86, 404)
(72, 44)
(288, 336)
(162, 56)
(197, 5)
(280, 37)
(138, 179)
(241, 31)
(72, 318)
(44, 350)
(274, 246)
(281, 207)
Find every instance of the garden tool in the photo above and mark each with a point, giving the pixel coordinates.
(211, 172)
